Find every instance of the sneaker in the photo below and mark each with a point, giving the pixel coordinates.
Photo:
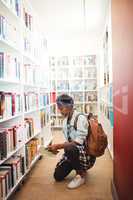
(76, 182)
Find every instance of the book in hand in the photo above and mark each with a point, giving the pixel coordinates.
(51, 150)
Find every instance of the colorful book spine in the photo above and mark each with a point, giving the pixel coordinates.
(31, 101)
(10, 139)
(31, 151)
(9, 67)
(10, 104)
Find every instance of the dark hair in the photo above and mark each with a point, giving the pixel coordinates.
(64, 100)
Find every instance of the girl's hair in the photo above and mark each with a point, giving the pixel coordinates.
(64, 100)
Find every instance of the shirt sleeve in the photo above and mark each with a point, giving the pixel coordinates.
(82, 129)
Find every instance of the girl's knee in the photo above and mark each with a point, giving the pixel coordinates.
(57, 176)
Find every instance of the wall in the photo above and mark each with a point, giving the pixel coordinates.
(122, 52)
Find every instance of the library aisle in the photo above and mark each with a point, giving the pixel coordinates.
(40, 184)
(80, 48)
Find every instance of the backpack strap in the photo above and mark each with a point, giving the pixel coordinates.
(76, 120)
(89, 125)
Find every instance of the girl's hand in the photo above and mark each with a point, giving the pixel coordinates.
(53, 148)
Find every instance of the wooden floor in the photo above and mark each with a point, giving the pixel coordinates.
(40, 185)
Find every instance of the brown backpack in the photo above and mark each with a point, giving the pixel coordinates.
(96, 140)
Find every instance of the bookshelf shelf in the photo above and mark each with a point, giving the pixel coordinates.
(43, 107)
(32, 111)
(31, 58)
(4, 81)
(30, 86)
(8, 44)
(21, 89)
(10, 118)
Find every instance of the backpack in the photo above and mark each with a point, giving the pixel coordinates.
(96, 140)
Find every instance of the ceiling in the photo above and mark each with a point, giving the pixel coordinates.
(69, 16)
(70, 19)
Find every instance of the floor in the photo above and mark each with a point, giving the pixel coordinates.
(40, 185)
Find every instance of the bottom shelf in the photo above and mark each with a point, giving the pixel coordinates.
(19, 181)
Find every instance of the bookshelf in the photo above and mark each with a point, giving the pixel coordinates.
(24, 93)
(105, 94)
(76, 76)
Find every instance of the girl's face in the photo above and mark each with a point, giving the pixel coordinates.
(64, 110)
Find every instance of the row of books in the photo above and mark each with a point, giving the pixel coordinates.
(88, 96)
(90, 72)
(9, 32)
(91, 96)
(90, 84)
(63, 85)
(31, 74)
(10, 173)
(28, 130)
(43, 118)
(14, 5)
(44, 99)
(30, 101)
(77, 85)
(30, 46)
(77, 96)
(9, 67)
(86, 108)
(10, 104)
(12, 35)
(31, 151)
(84, 60)
(80, 73)
(75, 60)
(54, 61)
(27, 44)
(11, 138)
(28, 19)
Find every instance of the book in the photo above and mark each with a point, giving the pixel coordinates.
(3, 179)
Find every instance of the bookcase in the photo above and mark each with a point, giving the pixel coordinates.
(105, 94)
(76, 76)
(24, 93)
